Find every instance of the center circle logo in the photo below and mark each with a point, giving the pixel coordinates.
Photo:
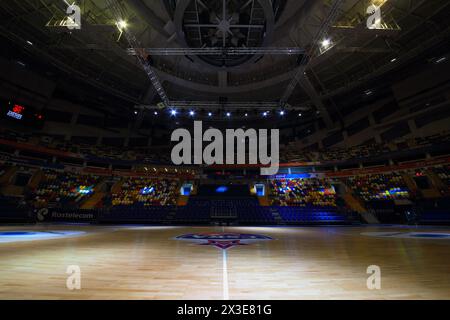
(223, 240)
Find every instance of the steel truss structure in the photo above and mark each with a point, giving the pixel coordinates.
(229, 106)
(133, 42)
(216, 51)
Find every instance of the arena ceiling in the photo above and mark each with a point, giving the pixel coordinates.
(98, 54)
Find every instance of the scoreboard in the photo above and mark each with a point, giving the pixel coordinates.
(16, 111)
(20, 113)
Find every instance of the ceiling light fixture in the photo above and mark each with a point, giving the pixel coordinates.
(326, 43)
(122, 25)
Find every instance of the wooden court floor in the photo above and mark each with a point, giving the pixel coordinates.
(299, 263)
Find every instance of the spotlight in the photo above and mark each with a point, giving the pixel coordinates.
(122, 25)
(326, 43)
(281, 113)
(246, 115)
(135, 112)
(228, 114)
(191, 113)
(209, 114)
(173, 112)
(264, 114)
(299, 114)
(155, 113)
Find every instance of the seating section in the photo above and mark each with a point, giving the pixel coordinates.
(303, 192)
(253, 213)
(64, 188)
(89, 151)
(145, 192)
(305, 201)
(14, 136)
(357, 152)
(13, 210)
(420, 142)
(434, 211)
(295, 153)
(292, 152)
(443, 172)
(196, 211)
(291, 200)
(379, 187)
(292, 215)
(243, 210)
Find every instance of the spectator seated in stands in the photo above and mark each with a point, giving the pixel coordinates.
(146, 192)
(377, 187)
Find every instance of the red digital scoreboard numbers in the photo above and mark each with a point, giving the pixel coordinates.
(18, 109)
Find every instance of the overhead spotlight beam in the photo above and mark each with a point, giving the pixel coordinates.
(216, 51)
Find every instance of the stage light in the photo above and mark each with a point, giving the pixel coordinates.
(173, 112)
(264, 114)
(29, 42)
(246, 114)
(281, 113)
(228, 114)
(393, 60)
(299, 114)
(209, 114)
(135, 112)
(191, 113)
(155, 113)
(122, 25)
(326, 43)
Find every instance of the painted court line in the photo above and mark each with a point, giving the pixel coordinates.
(226, 295)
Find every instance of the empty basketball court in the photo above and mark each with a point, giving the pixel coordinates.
(135, 262)
(224, 150)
